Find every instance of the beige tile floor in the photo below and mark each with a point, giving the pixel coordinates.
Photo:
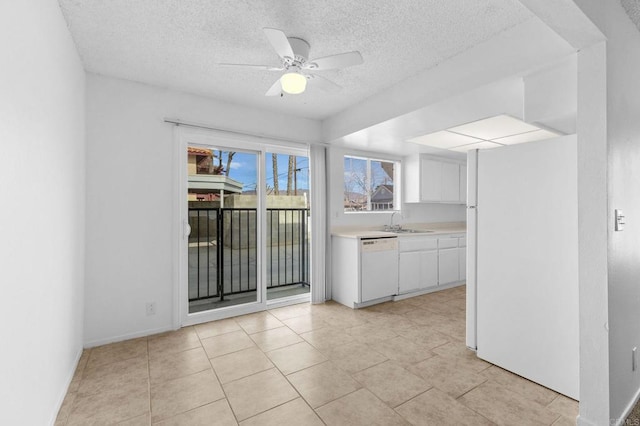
(395, 363)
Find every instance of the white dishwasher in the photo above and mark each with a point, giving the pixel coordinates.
(378, 267)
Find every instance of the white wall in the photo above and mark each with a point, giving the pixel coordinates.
(42, 215)
(130, 184)
(551, 96)
(410, 213)
(623, 69)
(623, 134)
(592, 235)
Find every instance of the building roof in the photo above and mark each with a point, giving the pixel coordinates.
(198, 151)
(383, 193)
(207, 183)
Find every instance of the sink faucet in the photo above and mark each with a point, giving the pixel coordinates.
(391, 227)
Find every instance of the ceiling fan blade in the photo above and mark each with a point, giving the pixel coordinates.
(341, 60)
(274, 90)
(324, 83)
(254, 67)
(279, 41)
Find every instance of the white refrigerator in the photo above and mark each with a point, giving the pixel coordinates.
(522, 260)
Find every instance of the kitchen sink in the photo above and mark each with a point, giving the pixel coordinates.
(409, 231)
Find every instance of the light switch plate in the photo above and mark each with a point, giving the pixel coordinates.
(619, 220)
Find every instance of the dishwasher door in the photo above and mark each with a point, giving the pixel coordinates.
(379, 268)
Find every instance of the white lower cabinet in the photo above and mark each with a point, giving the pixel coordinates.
(418, 266)
(418, 270)
(409, 272)
(448, 264)
(426, 262)
(428, 269)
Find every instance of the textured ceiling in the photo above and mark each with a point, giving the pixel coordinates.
(632, 7)
(177, 43)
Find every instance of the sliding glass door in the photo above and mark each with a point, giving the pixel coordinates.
(288, 231)
(223, 219)
(246, 243)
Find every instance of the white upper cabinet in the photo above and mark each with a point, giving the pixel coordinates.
(430, 180)
(434, 180)
(451, 182)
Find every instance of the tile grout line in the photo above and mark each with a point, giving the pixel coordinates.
(346, 394)
(337, 314)
(411, 399)
(471, 408)
(295, 388)
(188, 375)
(226, 398)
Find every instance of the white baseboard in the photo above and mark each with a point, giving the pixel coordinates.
(65, 388)
(143, 333)
(580, 421)
(428, 290)
(627, 410)
(372, 302)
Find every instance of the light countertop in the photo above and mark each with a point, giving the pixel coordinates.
(368, 232)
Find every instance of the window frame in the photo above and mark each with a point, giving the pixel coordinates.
(397, 188)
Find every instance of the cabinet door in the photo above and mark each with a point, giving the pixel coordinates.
(450, 182)
(428, 269)
(430, 180)
(462, 264)
(409, 272)
(463, 183)
(447, 266)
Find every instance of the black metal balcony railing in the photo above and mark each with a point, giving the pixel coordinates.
(223, 255)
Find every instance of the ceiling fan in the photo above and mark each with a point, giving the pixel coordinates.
(294, 55)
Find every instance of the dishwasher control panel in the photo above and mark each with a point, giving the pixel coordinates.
(378, 244)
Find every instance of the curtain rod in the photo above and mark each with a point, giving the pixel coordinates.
(178, 122)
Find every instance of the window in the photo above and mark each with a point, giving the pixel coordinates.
(369, 184)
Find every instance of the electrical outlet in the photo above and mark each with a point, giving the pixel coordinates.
(634, 359)
(151, 308)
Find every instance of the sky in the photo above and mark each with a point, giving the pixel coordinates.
(244, 169)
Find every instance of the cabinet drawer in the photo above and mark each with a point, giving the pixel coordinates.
(417, 244)
(462, 242)
(448, 242)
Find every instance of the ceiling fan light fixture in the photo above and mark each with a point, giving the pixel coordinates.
(293, 83)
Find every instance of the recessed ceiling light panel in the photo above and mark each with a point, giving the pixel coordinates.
(499, 126)
(485, 134)
(479, 145)
(444, 140)
(537, 135)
